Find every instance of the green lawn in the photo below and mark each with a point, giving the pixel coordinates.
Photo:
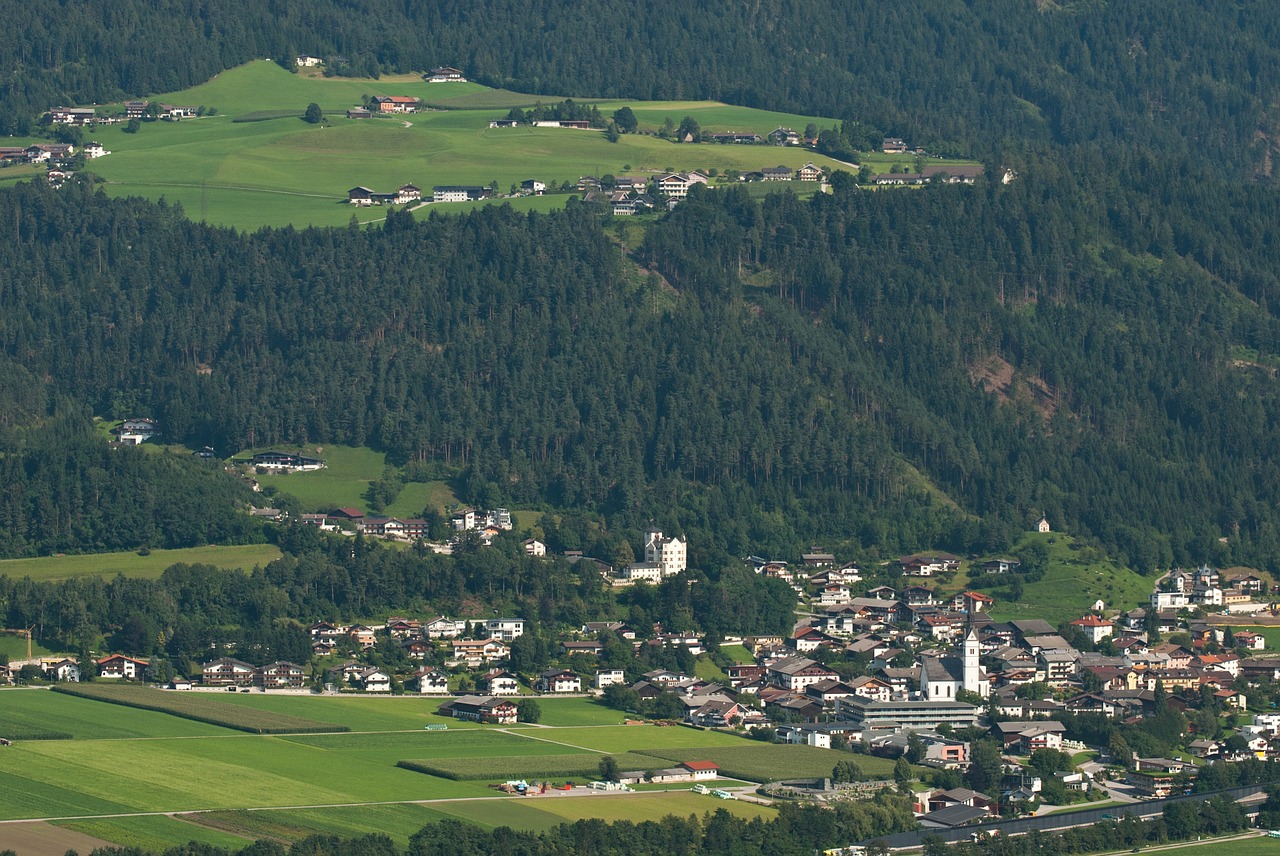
(283, 170)
(132, 565)
(737, 653)
(1257, 846)
(200, 707)
(14, 647)
(578, 711)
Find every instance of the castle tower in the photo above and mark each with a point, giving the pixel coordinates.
(972, 670)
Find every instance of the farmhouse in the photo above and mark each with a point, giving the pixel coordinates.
(893, 146)
(394, 103)
(533, 186)
(285, 462)
(688, 771)
(503, 123)
(797, 673)
(308, 61)
(476, 652)
(118, 666)
(784, 137)
(72, 115)
(135, 109)
(459, 193)
(809, 172)
(445, 74)
(897, 178)
(480, 709)
(736, 137)
(133, 432)
(94, 150)
(776, 173)
(967, 174)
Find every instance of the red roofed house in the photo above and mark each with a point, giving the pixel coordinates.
(702, 769)
(395, 103)
(1095, 628)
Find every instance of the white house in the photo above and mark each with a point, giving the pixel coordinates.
(534, 547)
(501, 683)
(309, 61)
(505, 629)
(609, 677)
(559, 681)
(432, 681)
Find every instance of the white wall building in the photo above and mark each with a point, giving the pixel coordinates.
(671, 555)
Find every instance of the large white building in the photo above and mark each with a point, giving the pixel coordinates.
(671, 555)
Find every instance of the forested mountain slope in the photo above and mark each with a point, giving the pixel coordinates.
(958, 77)
(1092, 341)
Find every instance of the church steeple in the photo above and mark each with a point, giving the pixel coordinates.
(972, 669)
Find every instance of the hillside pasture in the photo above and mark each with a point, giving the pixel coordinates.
(130, 564)
(282, 170)
(200, 707)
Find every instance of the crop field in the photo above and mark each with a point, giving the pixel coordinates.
(641, 738)
(766, 762)
(200, 707)
(531, 767)
(357, 713)
(155, 833)
(275, 171)
(397, 821)
(120, 761)
(25, 711)
(645, 806)
(130, 564)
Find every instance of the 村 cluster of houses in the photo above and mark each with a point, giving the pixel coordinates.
(50, 153)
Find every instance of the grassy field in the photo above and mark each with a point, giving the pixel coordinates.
(132, 565)
(276, 171)
(397, 821)
(200, 707)
(346, 477)
(15, 647)
(1077, 577)
(577, 711)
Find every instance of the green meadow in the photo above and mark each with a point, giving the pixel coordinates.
(131, 564)
(156, 833)
(87, 719)
(276, 171)
(348, 472)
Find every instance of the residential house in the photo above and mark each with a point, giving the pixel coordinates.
(459, 193)
(1030, 736)
(505, 629)
(889, 179)
(953, 174)
(671, 555)
(72, 115)
(118, 666)
(280, 675)
(66, 670)
(359, 113)
(776, 173)
(285, 462)
(1000, 566)
(809, 172)
(136, 109)
(481, 709)
(475, 652)
(589, 648)
(373, 681)
(797, 673)
(1094, 627)
(225, 672)
(784, 137)
(715, 714)
(893, 146)
(308, 61)
(444, 628)
(533, 187)
(500, 682)
(93, 150)
(609, 677)
(737, 137)
(403, 628)
(431, 681)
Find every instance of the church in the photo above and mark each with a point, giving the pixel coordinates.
(942, 677)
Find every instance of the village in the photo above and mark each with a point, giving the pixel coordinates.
(888, 670)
